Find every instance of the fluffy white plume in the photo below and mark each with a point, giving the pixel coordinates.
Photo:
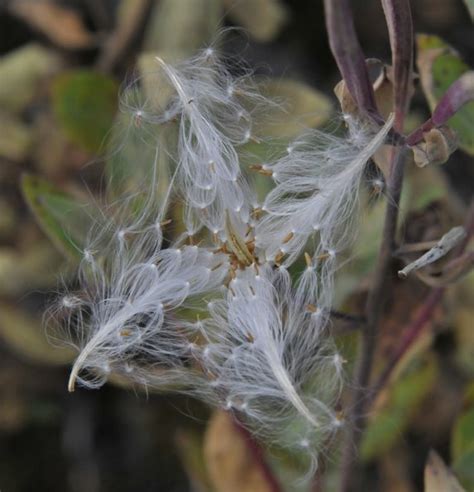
(214, 112)
(122, 313)
(268, 359)
(261, 348)
(317, 191)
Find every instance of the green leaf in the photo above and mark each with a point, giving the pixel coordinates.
(403, 400)
(65, 219)
(462, 439)
(189, 445)
(303, 105)
(85, 103)
(439, 66)
(464, 468)
(183, 26)
(462, 447)
(263, 19)
(470, 7)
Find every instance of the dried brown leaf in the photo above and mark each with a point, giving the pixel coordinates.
(438, 477)
(436, 147)
(229, 463)
(61, 25)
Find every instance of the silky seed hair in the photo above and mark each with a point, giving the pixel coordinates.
(259, 344)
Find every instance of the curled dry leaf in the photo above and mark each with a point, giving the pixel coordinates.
(230, 465)
(438, 477)
(442, 247)
(382, 76)
(436, 147)
(61, 25)
(451, 273)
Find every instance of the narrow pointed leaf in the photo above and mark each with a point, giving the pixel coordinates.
(84, 104)
(65, 219)
(448, 86)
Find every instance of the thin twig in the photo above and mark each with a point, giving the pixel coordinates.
(410, 335)
(363, 396)
(375, 305)
(355, 319)
(414, 248)
(126, 33)
(425, 313)
(399, 22)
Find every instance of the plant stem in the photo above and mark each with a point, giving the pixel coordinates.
(259, 459)
(374, 309)
(410, 335)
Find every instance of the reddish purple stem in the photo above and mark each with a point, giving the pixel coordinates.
(258, 457)
(410, 335)
(458, 94)
(400, 28)
(348, 54)
(424, 315)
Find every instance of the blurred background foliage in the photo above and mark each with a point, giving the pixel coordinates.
(61, 66)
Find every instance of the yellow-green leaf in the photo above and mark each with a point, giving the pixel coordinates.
(189, 444)
(303, 107)
(183, 26)
(439, 66)
(23, 270)
(263, 19)
(462, 446)
(404, 397)
(64, 218)
(85, 103)
(21, 72)
(27, 337)
(470, 7)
